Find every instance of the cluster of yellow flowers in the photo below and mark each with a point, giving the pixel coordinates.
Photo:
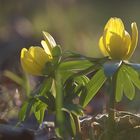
(115, 43)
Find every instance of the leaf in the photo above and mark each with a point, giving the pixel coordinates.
(48, 69)
(134, 75)
(125, 80)
(73, 125)
(40, 114)
(73, 108)
(22, 112)
(17, 79)
(94, 85)
(26, 109)
(50, 102)
(70, 126)
(75, 65)
(83, 94)
(129, 89)
(56, 51)
(44, 99)
(82, 79)
(45, 87)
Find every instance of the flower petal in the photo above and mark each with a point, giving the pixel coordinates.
(39, 55)
(46, 48)
(134, 39)
(102, 47)
(115, 25)
(127, 43)
(49, 40)
(28, 63)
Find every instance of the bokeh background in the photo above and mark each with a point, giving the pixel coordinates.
(75, 24)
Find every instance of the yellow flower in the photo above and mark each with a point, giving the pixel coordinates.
(116, 41)
(33, 60)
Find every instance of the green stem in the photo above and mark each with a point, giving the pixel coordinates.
(59, 104)
(111, 113)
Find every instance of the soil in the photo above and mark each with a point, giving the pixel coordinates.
(127, 126)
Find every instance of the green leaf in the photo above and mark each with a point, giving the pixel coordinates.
(76, 56)
(45, 87)
(56, 51)
(125, 80)
(82, 96)
(82, 79)
(26, 109)
(70, 126)
(17, 79)
(73, 108)
(48, 69)
(75, 65)
(39, 114)
(50, 102)
(44, 99)
(94, 85)
(73, 125)
(134, 75)
(22, 112)
(73, 87)
(129, 89)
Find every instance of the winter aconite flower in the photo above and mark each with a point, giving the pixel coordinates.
(116, 41)
(33, 60)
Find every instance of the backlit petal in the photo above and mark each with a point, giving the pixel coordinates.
(134, 39)
(39, 55)
(46, 48)
(28, 63)
(102, 47)
(115, 25)
(49, 40)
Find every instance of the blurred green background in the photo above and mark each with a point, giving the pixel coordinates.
(75, 24)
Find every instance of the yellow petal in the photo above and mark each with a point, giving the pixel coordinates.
(119, 46)
(127, 44)
(28, 63)
(39, 55)
(49, 40)
(46, 48)
(30, 67)
(116, 26)
(102, 47)
(134, 39)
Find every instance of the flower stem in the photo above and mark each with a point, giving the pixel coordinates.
(111, 113)
(59, 104)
